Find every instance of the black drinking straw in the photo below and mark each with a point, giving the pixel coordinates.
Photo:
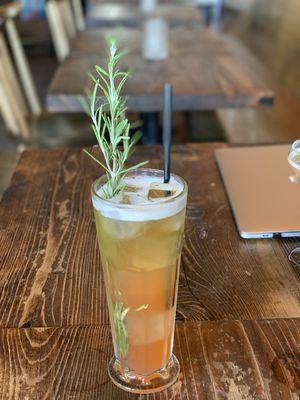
(167, 131)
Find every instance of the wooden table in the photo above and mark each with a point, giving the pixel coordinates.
(238, 327)
(108, 14)
(205, 70)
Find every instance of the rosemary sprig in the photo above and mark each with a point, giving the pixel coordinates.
(119, 315)
(119, 145)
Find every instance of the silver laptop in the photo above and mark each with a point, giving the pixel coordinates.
(264, 200)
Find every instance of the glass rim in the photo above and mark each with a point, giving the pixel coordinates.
(145, 205)
(296, 146)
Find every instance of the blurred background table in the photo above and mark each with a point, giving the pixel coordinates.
(205, 70)
(237, 331)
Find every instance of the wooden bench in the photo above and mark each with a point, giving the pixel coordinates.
(258, 126)
(280, 123)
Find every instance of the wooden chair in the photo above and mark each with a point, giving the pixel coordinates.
(13, 107)
(58, 30)
(78, 15)
(65, 19)
(8, 13)
(32, 130)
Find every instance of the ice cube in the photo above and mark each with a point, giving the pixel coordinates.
(133, 194)
(133, 198)
(145, 328)
(122, 230)
(125, 199)
(131, 189)
(160, 190)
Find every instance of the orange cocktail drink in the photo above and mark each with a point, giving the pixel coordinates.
(140, 235)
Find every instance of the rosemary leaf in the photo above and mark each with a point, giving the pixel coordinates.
(95, 159)
(109, 82)
(125, 171)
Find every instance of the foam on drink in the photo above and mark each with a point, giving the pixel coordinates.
(143, 198)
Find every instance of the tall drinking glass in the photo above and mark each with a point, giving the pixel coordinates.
(140, 235)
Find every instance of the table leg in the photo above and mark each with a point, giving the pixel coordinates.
(211, 13)
(206, 12)
(150, 128)
(217, 13)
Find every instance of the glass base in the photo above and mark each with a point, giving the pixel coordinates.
(142, 384)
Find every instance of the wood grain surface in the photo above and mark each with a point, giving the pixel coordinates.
(50, 272)
(107, 14)
(207, 72)
(219, 360)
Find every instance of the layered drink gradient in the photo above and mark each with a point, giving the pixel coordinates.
(140, 235)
